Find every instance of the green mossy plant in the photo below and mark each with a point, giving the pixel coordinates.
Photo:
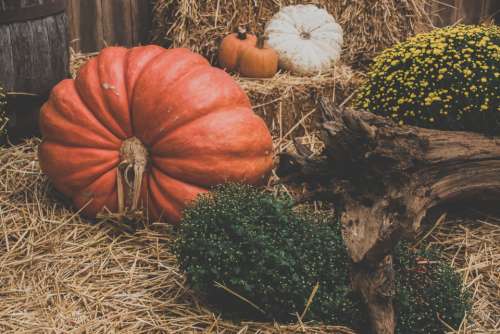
(427, 290)
(262, 250)
(446, 79)
(269, 259)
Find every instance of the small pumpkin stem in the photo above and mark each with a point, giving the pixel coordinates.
(134, 159)
(261, 40)
(242, 32)
(305, 35)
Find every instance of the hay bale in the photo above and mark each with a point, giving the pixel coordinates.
(369, 26)
(285, 101)
(288, 103)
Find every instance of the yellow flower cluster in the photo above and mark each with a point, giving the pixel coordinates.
(448, 79)
(3, 114)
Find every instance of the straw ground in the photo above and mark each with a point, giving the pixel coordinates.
(471, 244)
(61, 273)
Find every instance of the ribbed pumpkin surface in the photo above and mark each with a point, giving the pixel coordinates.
(191, 124)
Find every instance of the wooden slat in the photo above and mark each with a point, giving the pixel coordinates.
(117, 22)
(443, 12)
(91, 30)
(449, 12)
(493, 10)
(40, 69)
(470, 11)
(141, 21)
(58, 41)
(107, 22)
(6, 59)
(123, 23)
(22, 36)
(28, 3)
(73, 12)
(61, 40)
(96, 23)
(35, 11)
(10, 4)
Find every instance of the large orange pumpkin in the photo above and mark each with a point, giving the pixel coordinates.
(149, 128)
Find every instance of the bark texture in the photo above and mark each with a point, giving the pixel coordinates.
(385, 178)
(34, 57)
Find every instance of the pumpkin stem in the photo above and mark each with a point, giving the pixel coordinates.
(242, 32)
(134, 159)
(261, 40)
(305, 35)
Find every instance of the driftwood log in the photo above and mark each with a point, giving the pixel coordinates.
(385, 179)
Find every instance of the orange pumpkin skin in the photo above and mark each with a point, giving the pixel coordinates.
(232, 46)
(258, 62)
(194, 121)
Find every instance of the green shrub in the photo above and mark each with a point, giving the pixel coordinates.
(3, 113)
(427, 290)
(260, 249)
(445, 79)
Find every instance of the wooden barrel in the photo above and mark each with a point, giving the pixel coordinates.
(34, 57)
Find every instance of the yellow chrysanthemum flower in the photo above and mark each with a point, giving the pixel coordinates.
(439, 79)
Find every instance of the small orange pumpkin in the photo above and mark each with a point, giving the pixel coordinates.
(233, 46)
(258, 62)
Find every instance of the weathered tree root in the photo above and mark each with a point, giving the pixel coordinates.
(385, 178)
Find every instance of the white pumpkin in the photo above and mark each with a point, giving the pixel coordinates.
(306, 38)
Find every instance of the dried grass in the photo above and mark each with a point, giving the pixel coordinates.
(472, 246)
(77, 60)
(369, 26)
(288, 103)
(60, 273)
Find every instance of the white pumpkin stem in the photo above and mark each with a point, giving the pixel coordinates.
(134, 159)
(305, 35)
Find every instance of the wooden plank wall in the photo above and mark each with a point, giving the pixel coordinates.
(95, 24)
(449, 12)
